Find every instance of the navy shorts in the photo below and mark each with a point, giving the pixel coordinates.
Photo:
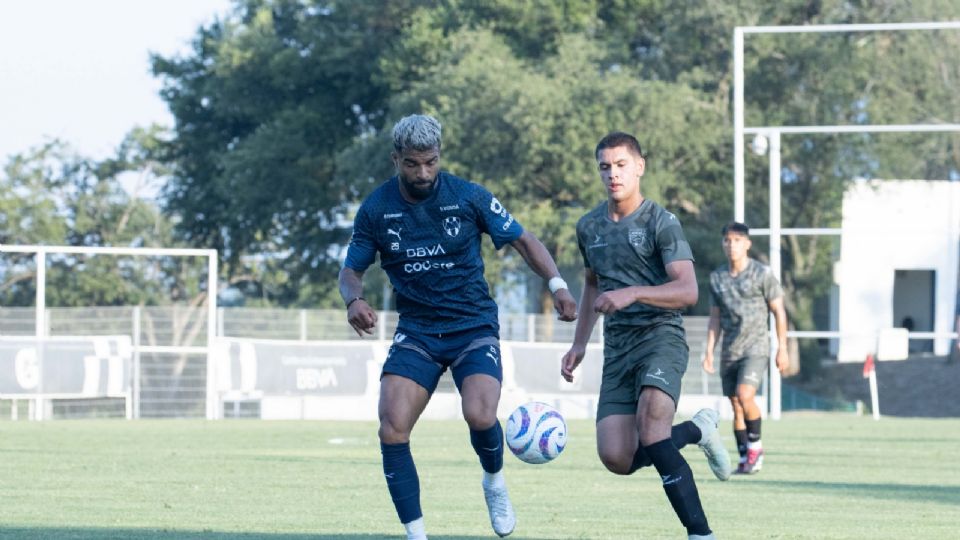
(423, 358)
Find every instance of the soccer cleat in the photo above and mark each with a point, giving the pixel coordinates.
(754, 461)
(501, 511)
(701, 537)
(710, 443)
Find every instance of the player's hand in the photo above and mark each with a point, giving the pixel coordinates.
(565, 305)
(613, 301)
(361, 317)
(708, 362)
(783, 360)
(570, 362)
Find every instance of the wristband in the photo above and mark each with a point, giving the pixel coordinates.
(556, 283)
(354, 300)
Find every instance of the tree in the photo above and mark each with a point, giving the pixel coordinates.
(531, 142)
(284, 107)
(268, 98)
(51, 196)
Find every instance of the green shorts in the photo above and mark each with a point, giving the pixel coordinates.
(747, 370)
(656, 356)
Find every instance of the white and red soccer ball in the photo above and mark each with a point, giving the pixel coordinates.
(536, 432)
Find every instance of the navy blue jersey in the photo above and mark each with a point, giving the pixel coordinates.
(431, 251)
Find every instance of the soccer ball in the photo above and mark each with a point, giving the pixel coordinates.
(536, 433)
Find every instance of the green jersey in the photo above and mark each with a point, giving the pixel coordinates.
(633, 251)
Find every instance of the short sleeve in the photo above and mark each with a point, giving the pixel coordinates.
(493, 218)
(671, 241)
(582, 247)
(715, 299)
(362, 250)
(771, 287)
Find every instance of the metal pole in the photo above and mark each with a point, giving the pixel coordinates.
(775, 265)
(868, 27)
(212, 400)
(40, 330)
(738, 158)
(135, 387)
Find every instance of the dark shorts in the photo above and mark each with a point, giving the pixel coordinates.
(635, 359)
(423, 358)
(747, 370)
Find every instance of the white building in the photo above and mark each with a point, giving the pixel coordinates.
(899, 259)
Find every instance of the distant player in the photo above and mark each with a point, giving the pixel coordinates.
(426, 225)
(743, 293)
(638, 272)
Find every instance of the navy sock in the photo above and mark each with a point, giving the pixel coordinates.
(679, 486)
(741, 437)
(488, 444)
(753, 430)
(681, 434)
(402, 480)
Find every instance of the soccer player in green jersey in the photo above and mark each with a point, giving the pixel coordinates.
(743, 292)
(638, 272)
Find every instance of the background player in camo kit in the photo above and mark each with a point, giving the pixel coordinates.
(743, 293)
(638, 272)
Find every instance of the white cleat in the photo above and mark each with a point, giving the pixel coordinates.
(710, 443)
(701, 537)
(501, 511)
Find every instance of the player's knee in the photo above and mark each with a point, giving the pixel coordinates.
(745, 395)
(617, 463)
(479, 418)
(391, 434)
(480, 411)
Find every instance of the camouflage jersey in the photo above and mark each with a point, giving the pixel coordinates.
(633, 251)
(743, 301)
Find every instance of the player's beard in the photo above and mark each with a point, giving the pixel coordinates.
(419, 190)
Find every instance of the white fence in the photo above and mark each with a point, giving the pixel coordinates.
(275, 363)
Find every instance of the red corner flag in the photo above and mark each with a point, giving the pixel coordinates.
(868, 366)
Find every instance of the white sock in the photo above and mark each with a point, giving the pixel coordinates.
(755, 445)
(494, 480)
(416, 530)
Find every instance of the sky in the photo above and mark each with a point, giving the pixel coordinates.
(79, 70)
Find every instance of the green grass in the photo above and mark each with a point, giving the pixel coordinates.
(827, 476)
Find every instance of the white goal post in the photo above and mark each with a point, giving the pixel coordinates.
(41, 252)
(773, 135)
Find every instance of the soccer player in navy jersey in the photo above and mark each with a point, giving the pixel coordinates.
(427, 225)
(638, 272)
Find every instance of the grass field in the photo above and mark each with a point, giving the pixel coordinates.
(827, 476)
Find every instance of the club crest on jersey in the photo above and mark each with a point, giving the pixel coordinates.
(638, 237)
(451, 224)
